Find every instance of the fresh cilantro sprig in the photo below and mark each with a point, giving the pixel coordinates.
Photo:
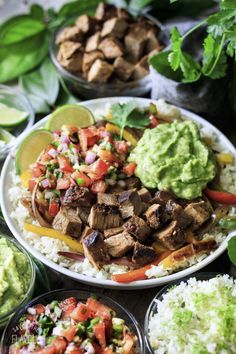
(128, 115)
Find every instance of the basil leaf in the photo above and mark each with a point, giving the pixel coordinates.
(79, 7)
(138, 5)
(232, 249)
(37, 12)
(65, 97)
(42, 83)
(39, 104)
(161, 64)
(18, 28)
(22, 57)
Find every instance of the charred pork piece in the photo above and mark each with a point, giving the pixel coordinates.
(100, 71)
(155, 216)
(135, 41)
(93, 42)
(105, 11)
(115, 26)
(138, 228)
(74, 63)
(162, 197)
(111, 47)
(113, 231)
(200, 212)
(106, 198)
(129, 203)
(104, 217)
(143, 254)
(132, 182)
(72, 33)
(83, 213)
(171, 236)
(95, 249)
(119, 244)
(68, 48)
(27, 203)
(87, 24)
(78, 196)
(141, 69)
(90, 58)
(152, 42)
(123, 68)
(145, 195)
(68, 222)
(123, 13)
(178, 214)
(86, 231)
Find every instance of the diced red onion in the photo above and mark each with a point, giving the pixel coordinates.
(53, 153)
(65, 139)
(31, 311)
(90, 157)
(41, 340)
(45, 183)
(64, 147)
(105, 133)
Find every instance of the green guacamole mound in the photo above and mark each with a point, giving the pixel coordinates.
(173, 156)
(15, 276)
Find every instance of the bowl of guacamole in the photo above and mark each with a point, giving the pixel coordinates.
(17, 278)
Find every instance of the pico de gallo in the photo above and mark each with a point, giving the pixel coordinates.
(73, 327)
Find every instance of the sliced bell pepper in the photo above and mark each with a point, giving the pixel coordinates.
(25, 177)
(221, 197)
(228, 222)
(112, 128)
(45, 231)
(139, 274)
(224, 158)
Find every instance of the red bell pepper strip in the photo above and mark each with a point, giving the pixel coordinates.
(139, 274)
(221, 197)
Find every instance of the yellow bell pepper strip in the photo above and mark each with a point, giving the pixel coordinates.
(112, 128)
(44, 231)
(224, 158)
(25, 177)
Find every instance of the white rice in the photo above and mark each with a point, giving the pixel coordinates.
(197, 317)
(50, 247)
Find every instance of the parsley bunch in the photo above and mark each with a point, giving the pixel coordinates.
(218, 45)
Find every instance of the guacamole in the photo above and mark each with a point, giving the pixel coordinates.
(15, 276)
(173, 156)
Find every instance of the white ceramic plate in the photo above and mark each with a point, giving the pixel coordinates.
(101, 105)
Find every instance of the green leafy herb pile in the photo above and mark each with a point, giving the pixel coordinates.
(218, 46)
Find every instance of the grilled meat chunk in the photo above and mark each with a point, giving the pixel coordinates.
(90, 58)
(145, 195)
(68, 48)
(132, 182)
(74, 63)
(200, 212)
(119, 244)
(129, 203)
(123, 68)
(86, 231)
(135, 41)
(171, 236)
(141, 69)
(111, 47)
(83, 213)
(68, 222)
(72, 33)
(78, 196)
(143, 254)
(104, 216)
(105, 11)
(152, 42)
(178, 214)
(162, 197)
(87, 24)
(155, 216)
(100, 71)
(115, 26)
(113, 231)
(106, 198)
(93, 42)
(138, 228)
(95, 249)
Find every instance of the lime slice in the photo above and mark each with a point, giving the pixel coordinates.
(10, 117)
(71, 114)
(30, 149)
(5, 136)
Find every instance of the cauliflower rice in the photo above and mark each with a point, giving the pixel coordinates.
(50, 247)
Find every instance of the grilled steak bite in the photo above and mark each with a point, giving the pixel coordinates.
(115, 26)
(171, 236)
(72, 33)
(106, 198)
(95, 249)
(145, 195)
(86, 231)
(78, 196)
(123, 68)
(111, 47)
(155, 216)
(87, 24)
(138, 228)
(178, 214)
(132, 182)
(113, 231)
(68, 222)
(162, 197)
(100, 71)
(105, 11)
(143, 255)
(104, 216)
(135, 41)
(129, 203)
(83, 213)
(200, 212)
(119, 244)
(90, 58)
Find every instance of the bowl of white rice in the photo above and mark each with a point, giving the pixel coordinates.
(196, 315)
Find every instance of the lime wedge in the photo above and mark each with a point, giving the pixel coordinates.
(5, 136)
(30, 149)
(10, 117)
(71, 114)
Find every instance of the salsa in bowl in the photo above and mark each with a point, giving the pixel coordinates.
(97, 214)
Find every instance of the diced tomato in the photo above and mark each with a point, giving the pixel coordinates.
(128, 347)
(88, 137)
(60, 344)
(14, 349)
(37, 169)
(121, 146)
(99, 309)
(50, 349)
(129, 169)
(40, 309)
(53, 208)
(81, 313)
(107, 155)
(99, 331)
(107, 351)
(31, 184)
(69, 332)
(98, 187)
(64, 164)
(96, 170)
(82, 176)
(68, 306)
(74, 349)
(63, 183)
(153, 122)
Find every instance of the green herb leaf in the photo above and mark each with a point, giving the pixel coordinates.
(228, 5)
(50, 79)
(190, 68)
(138, 5)
(39, 104)
(214, 58)
(19, 28)
(19, 58)
(37, 12)
(175, 55)
(65, 97)
(232, 250)
(78, 7)
(161, 64)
